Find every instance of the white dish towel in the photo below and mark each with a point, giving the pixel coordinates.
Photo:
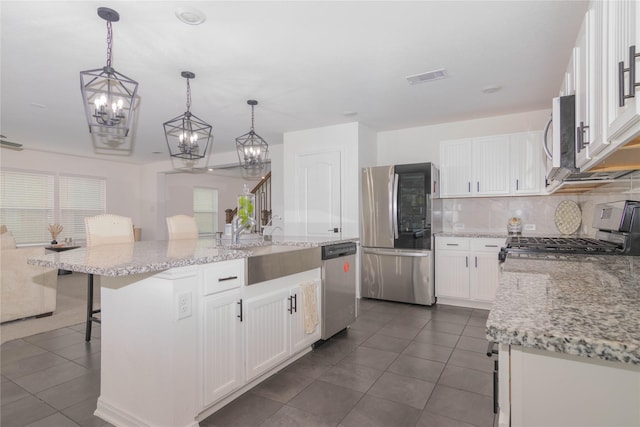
(310, 306)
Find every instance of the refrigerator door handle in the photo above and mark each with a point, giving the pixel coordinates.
(388, 252)
(394, 206)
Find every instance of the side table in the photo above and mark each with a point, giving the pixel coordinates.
(61, 249)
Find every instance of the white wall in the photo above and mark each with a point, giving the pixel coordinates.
(123, 179)
(421, 144)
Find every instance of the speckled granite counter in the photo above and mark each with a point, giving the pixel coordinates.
(578, 305)
(150, 256)
(473, 235)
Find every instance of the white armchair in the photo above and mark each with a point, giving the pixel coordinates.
(103, 230)
(182, 227)
(25, 290)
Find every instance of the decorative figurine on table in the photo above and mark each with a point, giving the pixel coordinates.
(55, 230)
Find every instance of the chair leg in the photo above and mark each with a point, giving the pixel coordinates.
(87, 336)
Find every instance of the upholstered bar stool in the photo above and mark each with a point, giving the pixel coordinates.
(103, 230)
(182, 227)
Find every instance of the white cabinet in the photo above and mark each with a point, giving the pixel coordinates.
(474, 167)
(300, 339)
(276, 328)
(267, 335)
(223, 345)
(589, 59)
(499, 165)
(623, 32)
(467, 270)
(527, 163)
(544, 388)
(455, 168)
(222, 330)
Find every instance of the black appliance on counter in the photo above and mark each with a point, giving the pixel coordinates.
(618, 233)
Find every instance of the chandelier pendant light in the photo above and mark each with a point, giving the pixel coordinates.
(187, 136)
(252, 149)
(108, 96)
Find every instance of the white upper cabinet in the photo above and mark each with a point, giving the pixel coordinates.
(527, 163)
(589, 59)
(490, 170)
(622, 35)
(500, 165)
(455, 168)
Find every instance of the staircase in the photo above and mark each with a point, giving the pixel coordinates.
(262, 211)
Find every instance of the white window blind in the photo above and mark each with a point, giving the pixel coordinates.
(205, 210)
(80, 197)
(27, 205)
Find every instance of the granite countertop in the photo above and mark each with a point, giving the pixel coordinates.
(576, 304)
(151, 256)
(472, 235)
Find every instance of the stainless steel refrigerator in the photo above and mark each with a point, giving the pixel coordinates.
(400, 213)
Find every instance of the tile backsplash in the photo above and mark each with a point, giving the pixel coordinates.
(490, 215)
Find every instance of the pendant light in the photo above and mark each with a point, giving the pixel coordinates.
(252, 149)
(108, 96)
(187, 136)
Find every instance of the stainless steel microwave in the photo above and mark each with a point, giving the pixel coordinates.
(560, 139)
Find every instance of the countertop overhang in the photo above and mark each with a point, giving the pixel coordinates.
(153, 256)
(578, 305)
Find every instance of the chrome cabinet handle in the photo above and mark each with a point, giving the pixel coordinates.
(224, 279)
(632, 76)
(476, 262)
(466, 261)
(580, 140)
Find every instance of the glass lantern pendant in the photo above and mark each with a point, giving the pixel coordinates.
(108, 96)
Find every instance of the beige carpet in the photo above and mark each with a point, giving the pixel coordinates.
(71, 307)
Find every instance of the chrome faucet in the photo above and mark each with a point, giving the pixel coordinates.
(267, 231)
(237, 228)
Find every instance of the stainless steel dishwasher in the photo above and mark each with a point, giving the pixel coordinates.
(338, 287)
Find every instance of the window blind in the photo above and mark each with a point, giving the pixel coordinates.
(80, 197)
(27, 205)
(205, 210)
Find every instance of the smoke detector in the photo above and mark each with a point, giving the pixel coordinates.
(428, 76)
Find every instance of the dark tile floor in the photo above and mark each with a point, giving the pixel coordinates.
(398, 365)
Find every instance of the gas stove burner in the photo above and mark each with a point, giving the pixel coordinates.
(618, 233)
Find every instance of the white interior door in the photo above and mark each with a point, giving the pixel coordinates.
(317, 193)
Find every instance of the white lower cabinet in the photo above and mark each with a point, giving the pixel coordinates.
(276, 329)
(467, 270)
(248, 331)
(267, 335)
(223, 341)
(545, 388)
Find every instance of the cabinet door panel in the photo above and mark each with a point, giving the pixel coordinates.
(622, 32)
(267, 332)
(455, 168)
(300, 339)
(491, 165)
(527, 162)
(484, 276)
(223, 346)
(452, 274)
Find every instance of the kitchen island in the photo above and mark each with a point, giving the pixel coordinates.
(568, 329)
(183, 333)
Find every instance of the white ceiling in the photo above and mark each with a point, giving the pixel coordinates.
(307, 63)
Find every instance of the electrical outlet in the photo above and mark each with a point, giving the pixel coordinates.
(458, 226)
(530, 227)
(184, 305)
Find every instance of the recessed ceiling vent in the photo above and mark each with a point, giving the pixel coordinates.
(428, 76)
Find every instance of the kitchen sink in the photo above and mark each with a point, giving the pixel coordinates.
(273, 261)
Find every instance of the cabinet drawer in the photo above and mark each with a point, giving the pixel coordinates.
(222, 276)
(487, 245)
(452, 243)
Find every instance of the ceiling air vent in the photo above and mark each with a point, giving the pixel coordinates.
(428, 76)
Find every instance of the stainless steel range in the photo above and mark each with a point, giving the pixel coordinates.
(618, 233)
